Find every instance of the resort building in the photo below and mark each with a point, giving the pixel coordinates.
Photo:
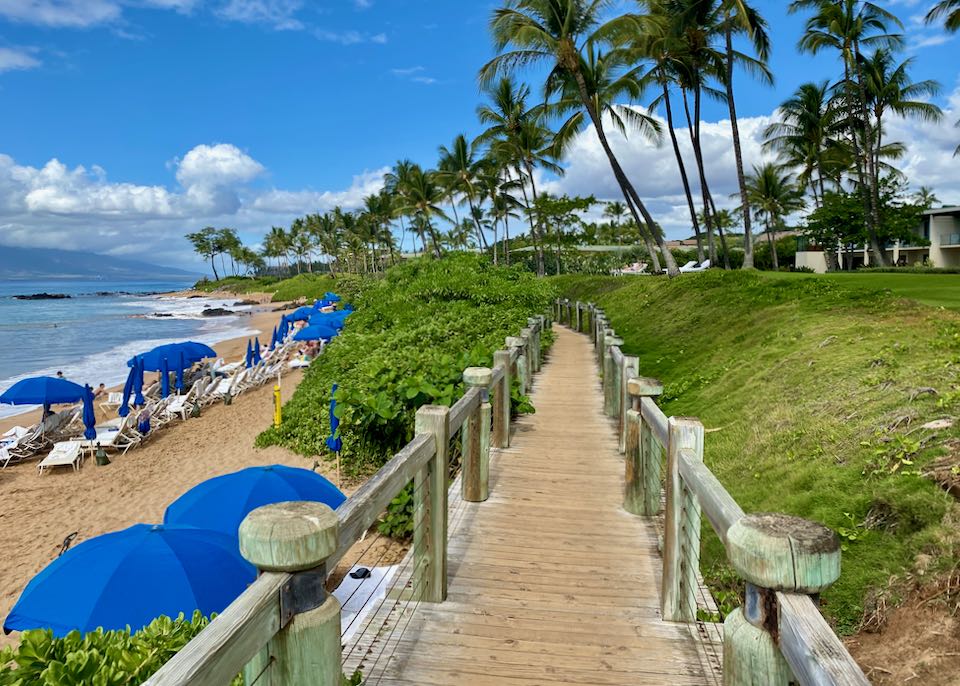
(937, 245)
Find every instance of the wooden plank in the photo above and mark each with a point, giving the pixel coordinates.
(233, 638)
(463, 408)
(655, 418)
(363, 508)
(721, 509)
(811, 648)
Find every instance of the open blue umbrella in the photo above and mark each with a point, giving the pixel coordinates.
(89, 414)
(315, 332)
(42, 390)
(130, 577)
(139, 400)
(164, 378)
(256, 351)
(301, 314)
(333, 319)
(124, 408)
(191, 350)
(181, 363)
(332, 297)
(248, 358)
(222, 502)
(334, 442)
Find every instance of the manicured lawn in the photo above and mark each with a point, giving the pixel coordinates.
(938, 290)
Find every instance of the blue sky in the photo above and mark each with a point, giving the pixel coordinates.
(294, 104)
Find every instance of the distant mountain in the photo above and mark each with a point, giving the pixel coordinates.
(32, 263)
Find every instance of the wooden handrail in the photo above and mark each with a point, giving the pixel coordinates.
(718, 505)
(655, 418)
(463, 408)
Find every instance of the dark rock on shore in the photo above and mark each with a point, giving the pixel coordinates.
(162, 314)
(217, 312)
(288, 306)
(42, 296)
(191, 297)
(244, 303)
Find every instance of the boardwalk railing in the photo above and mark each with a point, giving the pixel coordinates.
(779, 636)
(284, 630)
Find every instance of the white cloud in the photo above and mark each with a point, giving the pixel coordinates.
(12, 59)
(363, 4)
(68, 13)
(653, 170)
(81, 208)
(279, 13)
(349, 37)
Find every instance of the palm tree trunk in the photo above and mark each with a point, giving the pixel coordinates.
(693, 126)
(773, 248)
(506, 238)
(538, 240)
(647, 238)
(213, 264)
(622, 180)
(737, 153)
(873, 225)
(683, 175)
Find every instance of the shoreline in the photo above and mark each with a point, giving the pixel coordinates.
(261, 318)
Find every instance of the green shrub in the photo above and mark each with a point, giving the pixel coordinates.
(99, 658)
(238, 284)
(312, 287)
(413, 333)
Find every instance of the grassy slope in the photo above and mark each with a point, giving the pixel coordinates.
(938, 290)
(798, 382)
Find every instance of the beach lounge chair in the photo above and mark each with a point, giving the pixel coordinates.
(688, 266)
(27, 446)
(113, 401)
(121, 438)
(15, 433)
(703, 267)
(63, 454)
(181, 405)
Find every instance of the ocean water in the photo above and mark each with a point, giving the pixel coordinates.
(91, 335)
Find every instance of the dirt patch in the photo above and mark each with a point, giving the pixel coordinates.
(916, 643)
(945, 470)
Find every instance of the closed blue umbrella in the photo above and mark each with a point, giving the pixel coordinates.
(249, 356)
(221, 503)
(164, 378)
(42, 390)
(139, 400)
(124, 409)
(89, 415)
(334, 442)
(256, 351)
(315, 332)
(273, 339)
(180, 366)
(130, 577)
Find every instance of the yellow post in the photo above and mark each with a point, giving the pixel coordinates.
(277, 411)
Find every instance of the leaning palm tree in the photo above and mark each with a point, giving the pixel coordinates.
(950, 9)
(458, 170)
(555, 32)
(609, 81)
(773, 196)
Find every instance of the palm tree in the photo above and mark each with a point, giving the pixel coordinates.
(925, 197)
(555, 32)
(616, 211)
(459, 169)
(949, 9)
(773, 195)
(609, 80)
(806, 137)
(301, 243)
(396, 182)
(423, 196)
(738, 15)
(846, 26)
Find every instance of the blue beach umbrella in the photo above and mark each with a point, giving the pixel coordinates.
(130, 577)
(348, 308)
(221, 503)
(248, 358)
(89, 414)
(164, 378)
(334, 442)
(315, 332)
(332, 297)
(181, 363)
(42, 390)
(124, 408)
(191, 350)
(333, 319)
(139, 400)
(301, 314)
(256, 351)
(273, 339)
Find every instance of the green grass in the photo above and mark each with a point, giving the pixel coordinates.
(802, 383)
(239, 284)
(938, 290)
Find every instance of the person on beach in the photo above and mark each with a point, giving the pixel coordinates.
(101, 390)
(59, 374)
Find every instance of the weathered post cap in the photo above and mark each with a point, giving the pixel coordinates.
(612, 340)
(289, 537)
(643, 386)
(515, 342)
(784, 553)
(478, 376)
(526, 332)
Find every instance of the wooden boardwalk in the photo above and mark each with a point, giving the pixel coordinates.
(550, 580)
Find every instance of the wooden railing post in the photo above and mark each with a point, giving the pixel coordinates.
(579, 328)
(642, 464)
(569, 314)
(430, 507)
(611, 387)
(296, 537)
(521, 363)
(681, 531)
(476, 439)
(772, 552)
(534, 325)
(501, 401)
(631, 367)
(526, 334)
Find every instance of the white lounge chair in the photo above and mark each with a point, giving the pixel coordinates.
(113, 401)
(122, 437)
(704, 266)
(181, 405)
(27, 446)
(66, 453)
